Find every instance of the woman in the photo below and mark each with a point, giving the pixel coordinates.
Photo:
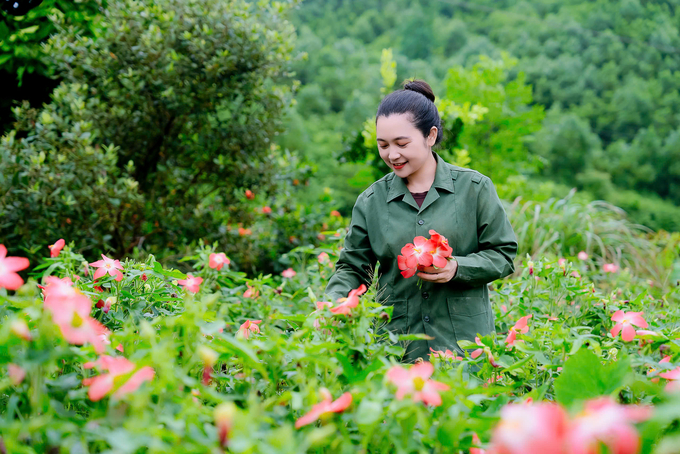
(426, 193)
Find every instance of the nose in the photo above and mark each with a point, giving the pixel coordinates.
(394, 155)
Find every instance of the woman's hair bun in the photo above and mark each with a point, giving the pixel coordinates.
(421, 87)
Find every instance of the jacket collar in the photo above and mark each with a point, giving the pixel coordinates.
(442, 180)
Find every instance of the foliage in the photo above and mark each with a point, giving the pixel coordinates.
(184, 99)
(273, 376)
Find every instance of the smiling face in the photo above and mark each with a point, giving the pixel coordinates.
(402, 146)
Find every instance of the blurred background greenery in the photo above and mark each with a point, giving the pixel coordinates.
(139, 127)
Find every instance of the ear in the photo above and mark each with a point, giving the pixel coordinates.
(432, 137)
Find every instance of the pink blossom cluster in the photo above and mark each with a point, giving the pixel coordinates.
(424, 252)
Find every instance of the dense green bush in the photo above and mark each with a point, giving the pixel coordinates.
(184, 98)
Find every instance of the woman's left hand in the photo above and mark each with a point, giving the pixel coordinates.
(439, 275)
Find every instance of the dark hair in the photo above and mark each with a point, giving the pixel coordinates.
(417, 99)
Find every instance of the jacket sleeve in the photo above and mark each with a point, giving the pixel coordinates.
(497, 242)
(357, 261)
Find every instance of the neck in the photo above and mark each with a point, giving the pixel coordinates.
(422, 179)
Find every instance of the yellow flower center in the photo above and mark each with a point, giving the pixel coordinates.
(416, 250)
(418, 383)
(77, 320)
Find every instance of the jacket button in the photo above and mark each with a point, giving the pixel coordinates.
(421, 222)
(426, 295)
(426, 319)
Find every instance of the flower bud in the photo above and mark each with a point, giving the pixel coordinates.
(207, 355)
(20, 328)
(224, 420)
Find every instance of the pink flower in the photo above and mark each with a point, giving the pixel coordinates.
(349, 303)
(9, 279)
(530, 429)
(16, 374)
(416, 382)
(476, 442)
(604, 421)
(70, 311)
(444, 354)
(610, 268)
(266, 210)
(326, 406)
(191, 283)
(561, 261)
(419, 253)
(288, 273)
(101, 385)
(575, 274)
(441, 250)
(249, 326)
(218, 260)
(624, 322)
(19, 327)
(323, 257)
(484, 349)
(530, 265)
(251, 292)
(673, 376)
(582, 255)
(521, 327)
(109, 266)
(56, 248)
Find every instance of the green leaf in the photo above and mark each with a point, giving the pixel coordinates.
(369, 412)
(585, 377)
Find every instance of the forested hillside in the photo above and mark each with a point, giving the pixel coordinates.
(606, 73)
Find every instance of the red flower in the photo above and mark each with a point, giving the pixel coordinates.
(101, 385)
(419, 253)
(9, 279)
(249, 194)
(624, 322)
(209, 358)
(109, 266)
(191, 283)
(349, 303)
(56, 248)
(288, 273)
(266, 210)
(244, 232)
(326, 406)
(218, 260)
(247, 327)
(335, 213)
(415, 382)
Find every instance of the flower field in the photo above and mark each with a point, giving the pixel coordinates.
(127, 356)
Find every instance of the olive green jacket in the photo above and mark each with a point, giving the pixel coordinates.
(462, 205)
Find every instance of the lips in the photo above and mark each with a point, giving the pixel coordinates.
(399, 166)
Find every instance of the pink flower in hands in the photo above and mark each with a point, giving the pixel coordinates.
(101, 385)
(9, 279)
(406, 271)
(218, 260)
(416, 382)
(107, 266)
(441, 250)
(56, 248)
(247, 327)
(419, 253)
(191, 283)
(326, 406)
(347, 304)
(625, 321)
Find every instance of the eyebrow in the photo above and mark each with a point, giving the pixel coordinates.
(396, 138)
